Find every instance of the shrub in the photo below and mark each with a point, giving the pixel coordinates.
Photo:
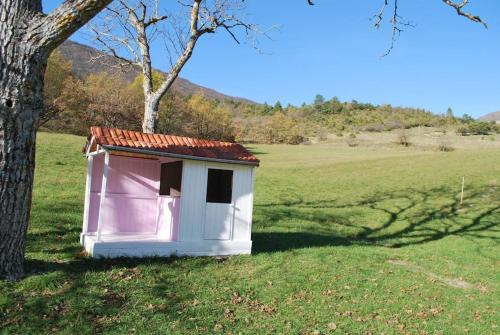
(403, 138)
(294, 139)
(322, 134)
(307, 142)
(352, 140)
(374, 127)
(480, 127)
(462, 131)
(477, 128)
(394, 124)
(445, 145)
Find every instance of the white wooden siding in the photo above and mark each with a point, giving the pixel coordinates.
(242, 197)
(194, 183)
(193, 203)
(218, 221)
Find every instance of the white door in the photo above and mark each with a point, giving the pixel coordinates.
(219, 213)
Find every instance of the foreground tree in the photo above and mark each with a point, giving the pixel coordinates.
(129, 27)
(27, 37)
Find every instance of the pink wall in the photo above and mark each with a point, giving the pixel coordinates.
(132, 202)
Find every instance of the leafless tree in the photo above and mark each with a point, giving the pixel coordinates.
(128, 28)
(398, 23)
(27, 37)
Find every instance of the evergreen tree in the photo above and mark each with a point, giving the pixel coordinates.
(319, 99)
(449, 113)
(277, 107)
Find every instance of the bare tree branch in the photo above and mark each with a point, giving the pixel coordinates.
(459, 6)
(155, 20)
(380, 15)
(140, 22)
(398, 24)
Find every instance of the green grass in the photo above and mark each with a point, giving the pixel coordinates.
(369, 239)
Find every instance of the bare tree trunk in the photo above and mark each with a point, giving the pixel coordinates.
(27, 36)
(140, 22)
(152, 100)
(151, 106)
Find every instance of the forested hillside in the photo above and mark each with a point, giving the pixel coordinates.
(76, 100)
(86, 60)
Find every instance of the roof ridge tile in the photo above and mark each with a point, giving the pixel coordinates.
(181, 145)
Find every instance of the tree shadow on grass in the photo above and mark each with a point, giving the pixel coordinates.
(95, 292)
(391, 219)
(92, 292)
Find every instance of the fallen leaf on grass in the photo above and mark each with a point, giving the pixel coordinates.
(258, 306)
(327, 292)
(236, 298)
(434, 311)
(332, 326)
(218, 327)
(230, 315)
(82, 255)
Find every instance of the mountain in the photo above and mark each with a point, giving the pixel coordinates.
(495, 116)
(87, 60)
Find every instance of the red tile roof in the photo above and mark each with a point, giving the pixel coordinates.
(177, 145)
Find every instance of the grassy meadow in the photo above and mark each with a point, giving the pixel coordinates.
(369, 239)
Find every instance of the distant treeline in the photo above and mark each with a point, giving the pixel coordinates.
(73, 104)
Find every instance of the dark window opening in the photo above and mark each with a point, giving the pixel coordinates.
(171, 177)
(220, 186)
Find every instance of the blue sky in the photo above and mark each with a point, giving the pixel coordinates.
(332, 49)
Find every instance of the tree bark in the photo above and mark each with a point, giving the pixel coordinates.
(21, 93)
(151, 107)
(27, 37)
(152, 100)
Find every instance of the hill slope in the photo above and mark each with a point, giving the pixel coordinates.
(87, 60)
(495, 116)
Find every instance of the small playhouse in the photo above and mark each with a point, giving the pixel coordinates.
(161, 195)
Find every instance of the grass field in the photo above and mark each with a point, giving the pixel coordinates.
(364, 240)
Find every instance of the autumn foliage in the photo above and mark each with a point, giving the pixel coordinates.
(73, 104)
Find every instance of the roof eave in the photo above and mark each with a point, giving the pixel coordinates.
(167, 154)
